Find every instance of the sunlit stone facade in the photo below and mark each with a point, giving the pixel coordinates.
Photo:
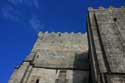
(106, 35)
(55, 58)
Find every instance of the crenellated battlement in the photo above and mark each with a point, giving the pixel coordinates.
(101, 8)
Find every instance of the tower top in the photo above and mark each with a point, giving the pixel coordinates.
(58, 50)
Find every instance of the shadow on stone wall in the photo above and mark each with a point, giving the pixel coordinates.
(81, 65)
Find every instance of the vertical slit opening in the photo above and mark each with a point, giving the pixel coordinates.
(37, 81)
(59, 34)
(115, 19)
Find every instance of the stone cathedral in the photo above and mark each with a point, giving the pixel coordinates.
(97, 56)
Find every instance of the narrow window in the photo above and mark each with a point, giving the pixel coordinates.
(115, 19)
(37, 81)
(37, 56)
(59, 34)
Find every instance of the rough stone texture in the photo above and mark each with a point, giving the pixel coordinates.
(106, 32)
(55, 58)
(61, 59)
(115, 78)
(43, 75)
(18, 75)
(60, 50)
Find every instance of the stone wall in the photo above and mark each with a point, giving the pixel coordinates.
(106, 32)
(55, 58)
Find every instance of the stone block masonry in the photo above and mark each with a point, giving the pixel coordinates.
(55, 58)
(106, 33)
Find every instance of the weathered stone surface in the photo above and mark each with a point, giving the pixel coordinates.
(18, 74)
(60, 50)
(70, 41)
(61, 59)
(55, 58)
(75, 76)
(39, 75)
(115, 78)
(42, 75)
(31, 56)
(105, 31)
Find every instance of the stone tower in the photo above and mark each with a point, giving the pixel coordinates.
(106, 35)
(72, 58)
(55, 58)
